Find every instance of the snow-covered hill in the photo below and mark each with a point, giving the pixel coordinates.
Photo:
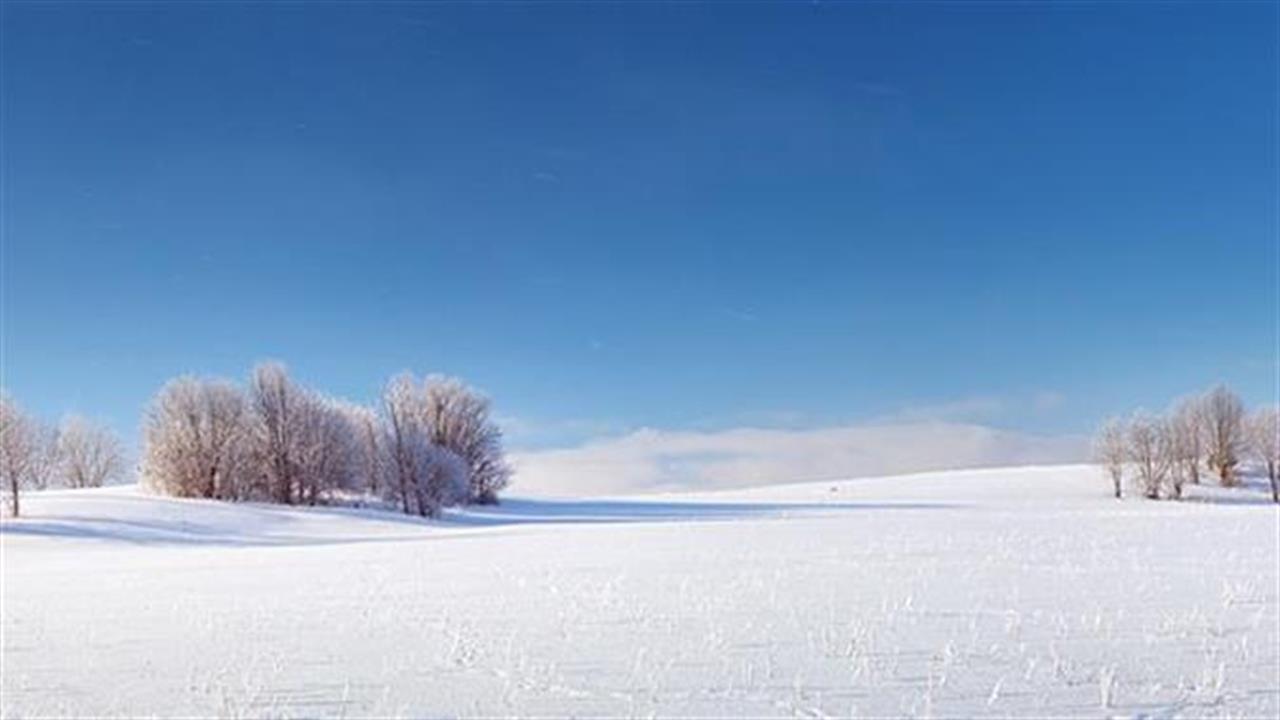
(999, 592)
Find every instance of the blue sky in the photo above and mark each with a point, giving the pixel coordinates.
(686, 217)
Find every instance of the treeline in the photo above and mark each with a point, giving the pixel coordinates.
(1208, 436)
(77, 453)
(430, 444)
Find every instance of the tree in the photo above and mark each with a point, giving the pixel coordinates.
(431, 445)
(458, 419)
(324, 450)
(277, 416)
(446, 479)
(19, 449)
(410, 452)
(1149, 453)
(1187, 420)
(367, 447)
(1223, 423)
(194, 441)
(90, 454)
(47, 464)
(1111, 451)
(406, 442)
(424, 473)
(1177, 457)
(1264, 444)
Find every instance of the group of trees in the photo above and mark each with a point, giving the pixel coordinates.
(77, 453)
(1209, 433)
(431, 443)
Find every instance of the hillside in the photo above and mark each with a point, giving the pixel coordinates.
(1024, 591)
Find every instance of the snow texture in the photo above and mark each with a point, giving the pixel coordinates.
(1014, 592)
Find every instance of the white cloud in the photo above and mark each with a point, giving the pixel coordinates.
(650, 460)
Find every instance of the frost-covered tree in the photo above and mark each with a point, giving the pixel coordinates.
(302, 446)
(422, 475)
(47, 464)
(400, 421)
(301, 443)
(1187, 423)
(448, 477)
(406, 441)
(1111, 451)
(367, 448)
(1177, 475)
(90, 455)
(441, 479)
(1223, 422)
(278, 407)
(324, 448)
(1264, 444)
(431, 445)
(19, 449)
(195, 441)
(458, 419)
(1149, 453)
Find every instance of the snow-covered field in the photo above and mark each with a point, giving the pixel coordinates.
(1021, 592)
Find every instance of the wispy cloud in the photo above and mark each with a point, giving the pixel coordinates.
(649, 460)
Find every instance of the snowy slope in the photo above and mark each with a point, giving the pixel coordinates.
(991, 593)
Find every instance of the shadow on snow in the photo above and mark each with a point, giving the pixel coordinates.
(256, 525)
(523, 511)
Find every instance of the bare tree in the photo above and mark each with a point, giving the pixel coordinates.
(424, 474)
(1149, 453)
(325, 448)
(411, 454)
(303, 446)
(277, 417)
(446, 480)
(432, 445)
(90, 454)
(1175, 459)
(1187, 422)
(367, 447)
(19, 448)
(1111, 451)
(47, 464)
(406, 442)
(194, 441)
(458, 419)
(1224, 432)
(1264, 444)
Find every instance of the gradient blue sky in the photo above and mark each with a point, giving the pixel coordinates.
(613, 216)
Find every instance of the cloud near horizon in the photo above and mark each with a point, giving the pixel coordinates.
(650, 460)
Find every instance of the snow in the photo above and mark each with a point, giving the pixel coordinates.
(1014, 592)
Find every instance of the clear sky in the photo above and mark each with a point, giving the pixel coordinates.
(689, 217)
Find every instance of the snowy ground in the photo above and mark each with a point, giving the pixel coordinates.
(1021, 592)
